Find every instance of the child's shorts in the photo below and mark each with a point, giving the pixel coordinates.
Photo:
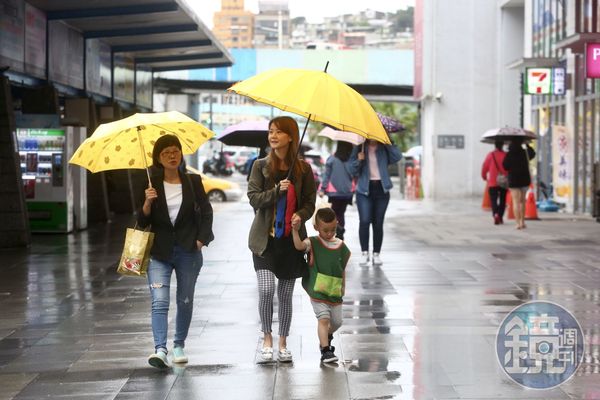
(328, 311)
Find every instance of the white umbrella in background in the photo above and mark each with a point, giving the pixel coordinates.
(341, 136)
(414, 152)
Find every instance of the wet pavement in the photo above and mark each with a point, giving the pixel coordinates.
(421, 326)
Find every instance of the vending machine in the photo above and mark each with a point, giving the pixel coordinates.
(47, 179)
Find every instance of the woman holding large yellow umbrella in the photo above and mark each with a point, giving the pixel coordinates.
(275, 181)
(317, 96)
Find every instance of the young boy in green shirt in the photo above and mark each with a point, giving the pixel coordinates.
(324, 283)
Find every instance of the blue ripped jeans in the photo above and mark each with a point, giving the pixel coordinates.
(187, 266)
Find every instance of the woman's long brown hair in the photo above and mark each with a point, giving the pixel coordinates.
(289, 126)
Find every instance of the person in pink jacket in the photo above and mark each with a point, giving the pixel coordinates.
(494, 173)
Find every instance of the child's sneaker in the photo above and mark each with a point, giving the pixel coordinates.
(364, 259)
(285, 356)
(178, 355)
(159, 359)
(376, 259)
(328, 355)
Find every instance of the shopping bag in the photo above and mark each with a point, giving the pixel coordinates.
(328, 285)
(136, 252)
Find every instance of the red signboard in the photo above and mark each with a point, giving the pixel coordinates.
(592, 60)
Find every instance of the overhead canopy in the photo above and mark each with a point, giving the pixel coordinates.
(163, 35)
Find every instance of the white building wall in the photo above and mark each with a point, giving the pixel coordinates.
(461, 92)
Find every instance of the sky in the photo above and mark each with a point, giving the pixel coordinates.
(313, 10)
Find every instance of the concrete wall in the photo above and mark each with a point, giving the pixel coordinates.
(460, 64)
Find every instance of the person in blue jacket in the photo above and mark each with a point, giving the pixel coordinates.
(338, 184)
(369, 162)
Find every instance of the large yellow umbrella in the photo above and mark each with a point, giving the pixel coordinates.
(317, 96)
(128, 142)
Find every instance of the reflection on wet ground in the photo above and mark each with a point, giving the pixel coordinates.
(421, 326)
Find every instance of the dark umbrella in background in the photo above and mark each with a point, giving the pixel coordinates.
(390, 124)
(246, 133)
(250, 134)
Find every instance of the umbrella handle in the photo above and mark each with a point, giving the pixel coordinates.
(299, 147)
(144, 156)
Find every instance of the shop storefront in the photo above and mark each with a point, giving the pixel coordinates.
(569, 124)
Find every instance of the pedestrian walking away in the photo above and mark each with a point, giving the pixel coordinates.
(494, 173)
(516, 163)
(328, 257)
(338, 184)
(178, 211)
(274, 256)
(372, 193)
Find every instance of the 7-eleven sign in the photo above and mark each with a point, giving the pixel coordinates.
(545, 81)
(538, 81)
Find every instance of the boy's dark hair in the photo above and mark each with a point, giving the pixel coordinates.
(325, 214)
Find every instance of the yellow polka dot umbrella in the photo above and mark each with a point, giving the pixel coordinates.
(128, 142)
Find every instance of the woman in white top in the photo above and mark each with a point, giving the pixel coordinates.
(178, 210)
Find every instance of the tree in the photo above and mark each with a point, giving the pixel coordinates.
(405, 113)
(403, 20)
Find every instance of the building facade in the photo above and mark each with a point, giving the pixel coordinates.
(272, 24)
(472, 63)
(233, 25)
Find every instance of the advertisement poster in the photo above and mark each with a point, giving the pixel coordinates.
(35, 41)
(562, 163)
(97, 67)
(12, 42)
(66, 55)
(143, 87)
(123, 85)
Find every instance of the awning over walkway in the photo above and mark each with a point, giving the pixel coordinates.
(163, 35)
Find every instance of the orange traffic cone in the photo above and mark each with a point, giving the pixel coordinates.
(486, 204)
(530, 205)
(509, 205)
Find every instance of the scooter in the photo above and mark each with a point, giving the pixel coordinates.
(216, 166)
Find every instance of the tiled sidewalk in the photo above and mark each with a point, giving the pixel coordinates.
(422, 326)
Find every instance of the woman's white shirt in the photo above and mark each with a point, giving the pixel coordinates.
(174, 195)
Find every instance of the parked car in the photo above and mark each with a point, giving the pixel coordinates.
(217, 189)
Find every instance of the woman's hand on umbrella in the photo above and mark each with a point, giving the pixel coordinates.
(360, 155)
(150, 195)
(284, 184)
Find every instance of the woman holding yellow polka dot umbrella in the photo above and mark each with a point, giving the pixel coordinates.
(175, 206)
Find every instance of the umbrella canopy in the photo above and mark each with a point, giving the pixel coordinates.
(317, 96)
(507, 133)
(250, 134)
(343, 136)
(128, 143)
(246, 133)
(414, 152)
(390, 124)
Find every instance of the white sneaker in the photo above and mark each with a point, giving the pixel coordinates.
(364, 259)
(376, 259)
(285, 356)
(266, 355)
